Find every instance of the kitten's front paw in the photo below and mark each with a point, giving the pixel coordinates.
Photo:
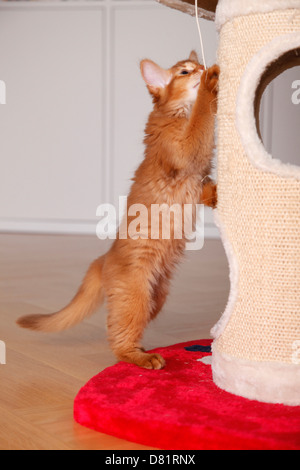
(142, 359)
(210, 79)
(152, 361)
(214, 198)
(209, 196)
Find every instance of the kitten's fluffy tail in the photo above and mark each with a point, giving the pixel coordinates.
(89, 296)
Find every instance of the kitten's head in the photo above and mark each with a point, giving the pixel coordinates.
(174, 89)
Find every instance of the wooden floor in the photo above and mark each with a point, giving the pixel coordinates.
(43, 373)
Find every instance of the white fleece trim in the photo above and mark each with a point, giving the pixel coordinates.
(269, 382)
(229, 9)
(218, 329)
(245, 116)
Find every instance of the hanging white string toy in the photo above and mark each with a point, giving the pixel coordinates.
(200, 34)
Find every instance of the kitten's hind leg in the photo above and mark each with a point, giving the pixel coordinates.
(130, 304)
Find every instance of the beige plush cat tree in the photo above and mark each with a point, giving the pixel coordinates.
(256, 348)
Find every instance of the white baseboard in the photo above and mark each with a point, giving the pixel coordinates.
(48, 227)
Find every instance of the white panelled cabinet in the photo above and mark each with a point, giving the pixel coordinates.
(71, 130)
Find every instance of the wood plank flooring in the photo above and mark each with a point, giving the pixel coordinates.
(43, 372)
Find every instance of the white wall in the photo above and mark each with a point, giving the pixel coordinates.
(52, 130)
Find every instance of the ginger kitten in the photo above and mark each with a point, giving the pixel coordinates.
(134, 275)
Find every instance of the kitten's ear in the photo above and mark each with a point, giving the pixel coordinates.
(155, 77)
(194, 57)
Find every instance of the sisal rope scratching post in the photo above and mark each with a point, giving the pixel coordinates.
(257, 340)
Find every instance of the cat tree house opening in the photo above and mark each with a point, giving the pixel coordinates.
(289, 60)
(255, 341)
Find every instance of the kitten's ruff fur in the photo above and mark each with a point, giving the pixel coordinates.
(134, 275)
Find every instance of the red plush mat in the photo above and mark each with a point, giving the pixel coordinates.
(180, 408)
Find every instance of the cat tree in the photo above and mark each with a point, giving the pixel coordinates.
(256, 348)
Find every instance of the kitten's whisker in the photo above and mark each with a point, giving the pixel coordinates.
(207, 176)
(208, 199)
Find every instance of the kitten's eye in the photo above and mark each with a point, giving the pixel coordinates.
(184, 72)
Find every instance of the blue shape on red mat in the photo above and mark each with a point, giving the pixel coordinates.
(198, 348)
